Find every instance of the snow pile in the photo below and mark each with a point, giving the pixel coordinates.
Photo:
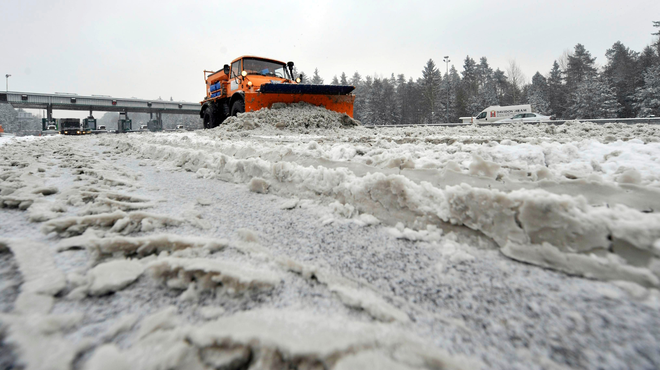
(296, 117)
(528, 218)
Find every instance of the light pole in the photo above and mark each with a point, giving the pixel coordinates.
(446, 60)
(7, 82)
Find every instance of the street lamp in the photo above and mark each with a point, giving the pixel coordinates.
(7, 82)
(446, 60)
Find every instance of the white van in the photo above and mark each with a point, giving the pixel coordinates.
(495, 113)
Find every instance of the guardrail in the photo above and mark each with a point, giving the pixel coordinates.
(601, 121)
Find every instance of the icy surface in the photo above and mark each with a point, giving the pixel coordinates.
(295, 238)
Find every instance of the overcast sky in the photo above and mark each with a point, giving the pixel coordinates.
(148, 49)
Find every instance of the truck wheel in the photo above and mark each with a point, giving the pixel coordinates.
(223, 113)
(238, 107)
(207, 118)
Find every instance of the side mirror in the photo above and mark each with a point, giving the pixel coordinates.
(226, 69)
(290, 65)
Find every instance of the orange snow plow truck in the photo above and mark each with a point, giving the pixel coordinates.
(251, 83)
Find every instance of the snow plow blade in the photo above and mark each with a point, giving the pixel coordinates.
(306, 89)
(336, 98)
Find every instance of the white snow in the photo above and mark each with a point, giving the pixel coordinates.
(114, 275)
(41, 278)
(293, 237)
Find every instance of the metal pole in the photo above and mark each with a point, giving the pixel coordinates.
(446, 59)
(7, 82)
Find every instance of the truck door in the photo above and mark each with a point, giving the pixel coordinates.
(235, 73)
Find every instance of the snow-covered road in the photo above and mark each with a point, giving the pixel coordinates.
(292, 238)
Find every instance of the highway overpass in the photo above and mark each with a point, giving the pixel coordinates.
(99, 103)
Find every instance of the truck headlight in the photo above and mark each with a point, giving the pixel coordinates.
(298, 80)
(250, 83)
(244, 73)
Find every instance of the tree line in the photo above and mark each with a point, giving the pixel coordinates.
(628, 85)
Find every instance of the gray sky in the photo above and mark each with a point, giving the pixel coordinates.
(148, 49)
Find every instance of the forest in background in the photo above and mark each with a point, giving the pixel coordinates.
(627, 86)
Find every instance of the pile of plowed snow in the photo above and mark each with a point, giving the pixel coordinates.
(296, 117)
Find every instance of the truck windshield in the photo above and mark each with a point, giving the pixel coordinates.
(69, 123)
(265, 68)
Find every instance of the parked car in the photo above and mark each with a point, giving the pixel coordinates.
(51, 128)
(526, 117)
(179, 127)
(143, 128)
(102, 127)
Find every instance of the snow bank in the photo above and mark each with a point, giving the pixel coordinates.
(593, 224)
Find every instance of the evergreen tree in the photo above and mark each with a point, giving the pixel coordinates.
(580, 67)
(402, 103)
(593, 98)
(647, 97)
(624, 72)
(375, 103)
(343, 79)
(648, 58)
(388, 103)
(537, 94)
(502, 88)
(356, 80)
(415, 101)
(430, 85)
(366, 108)
(316, 79)
(657, 41)
(335, 81)
(454, 88)
(487, 87)
(483, 72)
(556, 91)
(358, 105)
(469, 88)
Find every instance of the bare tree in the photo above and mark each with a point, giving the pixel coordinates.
(563, 59)
(516, 79)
